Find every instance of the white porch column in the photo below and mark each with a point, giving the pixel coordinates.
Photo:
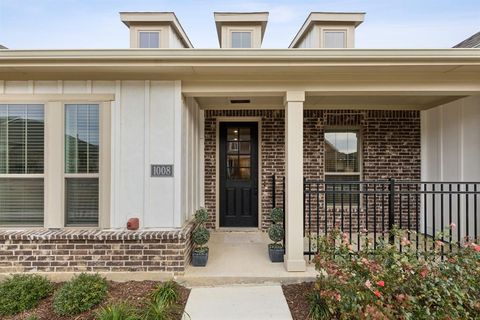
(294, 260)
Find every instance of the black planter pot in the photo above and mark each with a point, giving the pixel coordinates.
(199, 259)
(276, 254)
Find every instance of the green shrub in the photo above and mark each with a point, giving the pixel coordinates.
(23, 292)
(386, 283)
(276, 215)
(167, 292)
(318, 307)
(201, 216)
(200, 236)
(117, 311)
(164, 302)
(80, 294)
(275, 232)
(33, 317)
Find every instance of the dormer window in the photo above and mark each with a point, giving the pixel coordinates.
(335, 38)
(328, 30)
(149, 39)
(241, 29)
(155, 30)
(241, 39)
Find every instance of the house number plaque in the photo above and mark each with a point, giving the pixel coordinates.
(161, 170)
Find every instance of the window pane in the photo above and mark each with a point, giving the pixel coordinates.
(341, 152)
(334, 39)
(241, 39)
(21, 201)
(81, 201)
(81, 138)
(232, 134)
(21, 139)
(149, 39)
(339, 197)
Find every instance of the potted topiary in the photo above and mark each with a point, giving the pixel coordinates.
(276, 234)
(200, 237)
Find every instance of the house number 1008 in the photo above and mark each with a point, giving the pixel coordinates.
(162, 170)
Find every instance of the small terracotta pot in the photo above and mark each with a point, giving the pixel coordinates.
(133, 224)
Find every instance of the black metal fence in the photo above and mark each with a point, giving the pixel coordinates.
(428, 215)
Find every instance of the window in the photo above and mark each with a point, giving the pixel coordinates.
(342, 163)
(149, 39)
(81, 164)
(334, 39)
(21, 164)
(241, 39)
(238, 153)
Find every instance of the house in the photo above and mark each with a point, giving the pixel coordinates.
(92, 138)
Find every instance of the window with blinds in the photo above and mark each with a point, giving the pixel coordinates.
(82, 142)
(21, 164)
(342, 163)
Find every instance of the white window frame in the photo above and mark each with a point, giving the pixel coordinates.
(241, 31)
(358, 174)
(82, 175)
(30, 175)
(159, 33)
(326, 30)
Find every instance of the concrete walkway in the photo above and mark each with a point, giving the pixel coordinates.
(237, 302)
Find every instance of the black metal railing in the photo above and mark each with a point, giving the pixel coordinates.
(428, 215)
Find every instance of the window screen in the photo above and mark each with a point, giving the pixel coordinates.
(149, 39)
(81, 164)
(334, 39)
(21, 153)
(241, 39)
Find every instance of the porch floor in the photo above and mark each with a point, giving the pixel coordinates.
(237, 257)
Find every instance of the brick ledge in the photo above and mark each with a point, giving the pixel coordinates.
(91, 234)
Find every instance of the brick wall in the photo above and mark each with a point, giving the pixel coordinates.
(95, 251)
(390, 147)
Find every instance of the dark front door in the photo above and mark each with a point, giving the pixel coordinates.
(238, 174)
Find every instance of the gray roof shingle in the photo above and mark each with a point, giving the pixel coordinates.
(472, 42)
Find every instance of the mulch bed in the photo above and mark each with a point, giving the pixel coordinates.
(296, 298)
(136, 293)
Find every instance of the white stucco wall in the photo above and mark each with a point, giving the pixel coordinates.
(451, 152)
(151, 123)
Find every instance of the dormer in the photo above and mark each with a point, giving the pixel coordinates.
(241, 29)
(334, 30)
(155, 30)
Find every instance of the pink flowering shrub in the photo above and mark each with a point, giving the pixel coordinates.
(384, 283)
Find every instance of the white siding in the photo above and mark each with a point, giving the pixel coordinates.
(149, 126)
(308, 40)
(451, 149)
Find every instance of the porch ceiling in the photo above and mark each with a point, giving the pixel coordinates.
(312, 101)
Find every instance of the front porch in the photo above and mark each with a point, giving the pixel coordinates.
(241, 257)
(396, 133)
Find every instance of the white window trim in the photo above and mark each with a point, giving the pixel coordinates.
(232, 31)
(54, 157)
(31, 175)
(103, 167)
(158, 31)
(325, 30)
(358, 174)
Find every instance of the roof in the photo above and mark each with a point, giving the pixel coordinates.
(145, 18)
(472, 42)
(3, 47)
(222, 18)
(353, 18)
